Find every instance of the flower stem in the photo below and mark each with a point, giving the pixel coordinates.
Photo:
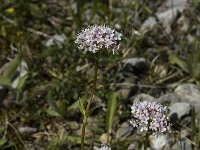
(94, 86)
(89, 103)
(83, 133)
(146, 141)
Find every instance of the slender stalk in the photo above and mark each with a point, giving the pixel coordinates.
(89, 103)
(83, 133)
(146, 141)
(180, 140)
(94, 85)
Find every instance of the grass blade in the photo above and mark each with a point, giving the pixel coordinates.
(111, 108)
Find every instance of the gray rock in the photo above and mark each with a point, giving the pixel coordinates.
(56, 40)
(26, 130)
(169, 98)
(134, 65)
(160, 142)
(103, 138)
(179, 110)
(174, 3)
(132, 146)
(189, 93)
(143, 97)
(124, 130)
(182, 144)
(166, 15)
(134, 61)
(125, 88)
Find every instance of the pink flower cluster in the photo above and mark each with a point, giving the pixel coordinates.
(95, 38)
(105, 148)
(150, 116)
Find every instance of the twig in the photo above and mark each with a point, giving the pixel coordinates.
(6, 126)
(28, 29)
(167, 78)
(9, 124)
(38, 33)
(139, 85)
(20, 139)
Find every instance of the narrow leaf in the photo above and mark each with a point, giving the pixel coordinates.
(11, 67)
(2, 142)
(111, 108)
(5, 81)
(174, 59)
(35, 10)
(81, 108)
(52, 102)
(21, 82)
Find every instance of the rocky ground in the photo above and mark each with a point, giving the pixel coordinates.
(43, 74)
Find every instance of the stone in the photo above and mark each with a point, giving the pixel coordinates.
(189, 93)
(182, 144)
(134, 65)
(166, 15)
(124, 130)
(179, 110)
(56, 40)
(160, 142)
(132, 146)
(169, 98)
(126, 87)
(134, 61)
(103, 138)
(143, 97)
(26, 130)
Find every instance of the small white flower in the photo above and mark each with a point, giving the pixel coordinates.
(150, 116)
(95, 38)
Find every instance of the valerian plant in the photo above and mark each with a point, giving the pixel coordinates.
(150, 117)
(95, 39)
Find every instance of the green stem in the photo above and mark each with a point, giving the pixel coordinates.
(83, 133)
(94, 86)
(146, 141)
(89, 103)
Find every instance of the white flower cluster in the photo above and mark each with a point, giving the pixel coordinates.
(105, 148)
(150, 116)
(95, 38)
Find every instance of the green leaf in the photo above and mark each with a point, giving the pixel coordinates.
(81, 108)
(72, 139)
(35, 10)
(4, 81)
(52, 113)
(194, 62)
(11, 67)
(3, 31)
(174, 59)
(111, 109)
(74, 106)
(52, 103)
(21, 82)
(62, 106)
(2, 142)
